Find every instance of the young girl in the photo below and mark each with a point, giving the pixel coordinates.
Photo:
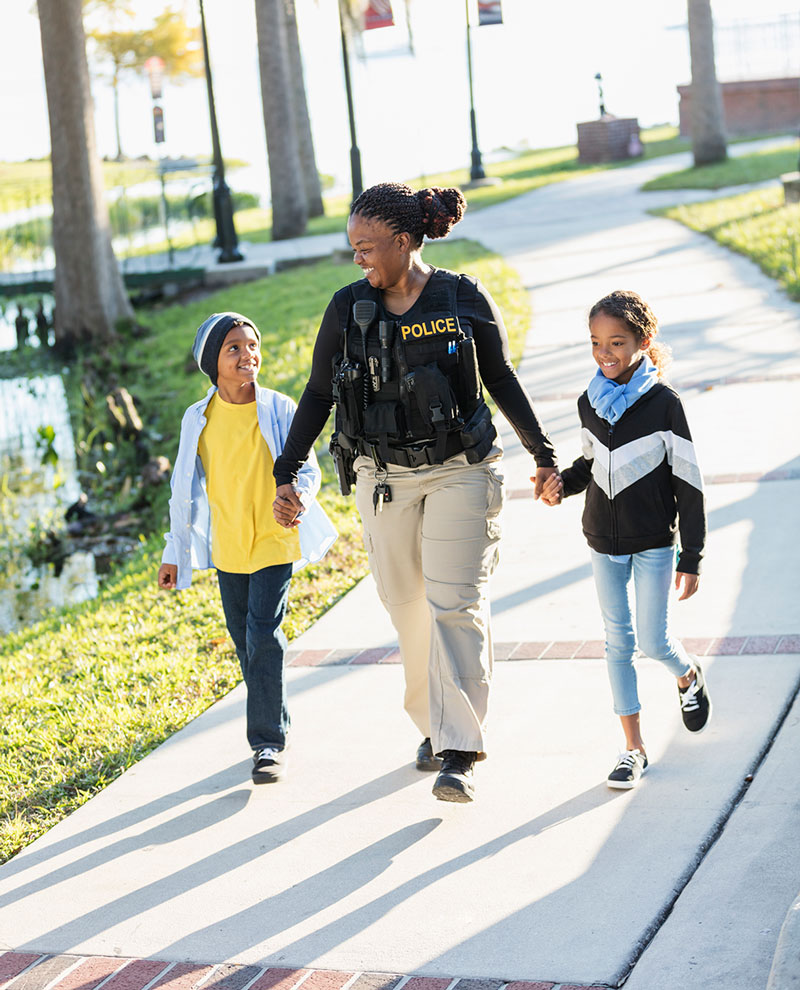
(221, 516)
(639, 472)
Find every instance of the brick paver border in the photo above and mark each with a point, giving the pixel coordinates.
(572, 649)
(34, 971)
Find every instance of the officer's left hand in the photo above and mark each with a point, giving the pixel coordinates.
(542, 474)
(287, 507)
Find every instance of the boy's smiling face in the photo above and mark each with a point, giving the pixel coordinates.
(238, 364)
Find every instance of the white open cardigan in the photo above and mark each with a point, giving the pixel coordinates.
(188, 543)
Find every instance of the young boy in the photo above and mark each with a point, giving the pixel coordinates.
(221, 516)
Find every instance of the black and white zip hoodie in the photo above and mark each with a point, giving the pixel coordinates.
(641, 479)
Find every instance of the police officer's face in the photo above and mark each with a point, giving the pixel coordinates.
(378, 251)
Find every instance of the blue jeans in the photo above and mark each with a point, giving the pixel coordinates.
(254, 606)
(652, 572)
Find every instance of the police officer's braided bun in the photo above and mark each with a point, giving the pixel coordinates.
(430, 212)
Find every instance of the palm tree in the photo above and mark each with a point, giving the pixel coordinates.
(305, 142)
(289, 204)
(706, 118)
(90, 294)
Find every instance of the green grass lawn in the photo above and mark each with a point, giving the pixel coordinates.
(24, 184)
(757, 224)
(756, 167)
(89, 690)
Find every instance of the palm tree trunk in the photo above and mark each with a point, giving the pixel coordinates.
(706, 117)
(117, 132)
(305, 141)
(90, 294)
(289, 207)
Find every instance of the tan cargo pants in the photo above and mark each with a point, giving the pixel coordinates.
(432, 550)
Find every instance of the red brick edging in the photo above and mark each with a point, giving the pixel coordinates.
(33, 971)
(719, 646)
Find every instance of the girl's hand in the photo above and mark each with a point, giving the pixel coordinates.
(690, 583)
(287, 507)
(552, 489)
(168, 576)
(543, 475)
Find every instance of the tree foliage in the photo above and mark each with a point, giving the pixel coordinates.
(118, 47)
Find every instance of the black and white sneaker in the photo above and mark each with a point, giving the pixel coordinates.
(695, 702)
(269, 765)
(454, 782)
(425, 758)
(630, 767)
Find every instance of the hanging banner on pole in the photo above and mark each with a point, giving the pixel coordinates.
(378, 14)
(158, 124)
(489, 12)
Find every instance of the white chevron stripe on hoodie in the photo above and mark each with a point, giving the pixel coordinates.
(635, 460)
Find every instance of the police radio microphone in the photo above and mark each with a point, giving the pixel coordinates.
(364, 314)
(385, 334)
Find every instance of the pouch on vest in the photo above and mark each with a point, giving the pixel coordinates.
(348, 394)
(433, 397)
(478, 434)
(468, 369)
(381, 419)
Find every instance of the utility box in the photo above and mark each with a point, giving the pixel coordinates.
(609, 139)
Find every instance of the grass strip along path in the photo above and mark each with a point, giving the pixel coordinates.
(758, 223)
(90, 690)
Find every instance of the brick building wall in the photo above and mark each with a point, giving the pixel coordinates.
(608, 139)
(753, 106)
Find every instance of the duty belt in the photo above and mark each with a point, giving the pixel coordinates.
(414, 455)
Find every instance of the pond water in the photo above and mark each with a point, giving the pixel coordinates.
(39, 480)
(10, 309)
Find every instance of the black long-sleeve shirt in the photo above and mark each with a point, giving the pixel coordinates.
(478, 314)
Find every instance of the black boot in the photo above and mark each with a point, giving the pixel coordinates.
(454, 782)
(425, 758)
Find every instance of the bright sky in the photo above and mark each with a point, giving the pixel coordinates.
(533, 77)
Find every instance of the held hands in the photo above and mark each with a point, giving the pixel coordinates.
(168, 577)
(552, 491)
(690, 583)
(541, 478)
(287, 507)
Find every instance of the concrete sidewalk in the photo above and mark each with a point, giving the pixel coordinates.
(350, 873)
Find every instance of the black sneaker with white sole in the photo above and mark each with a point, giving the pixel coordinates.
(454, 782)
(425, 758)
(630, 767)
(269, 765)
(695, 702)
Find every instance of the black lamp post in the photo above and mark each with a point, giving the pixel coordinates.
(355, 154)
(226, 238)
(476, 171)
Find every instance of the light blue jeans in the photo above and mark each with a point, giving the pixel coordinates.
(652, 572)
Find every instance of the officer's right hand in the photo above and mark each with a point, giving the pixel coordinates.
(168, 576)
(287, 507)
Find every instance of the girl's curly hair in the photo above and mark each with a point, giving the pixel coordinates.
(634, 312)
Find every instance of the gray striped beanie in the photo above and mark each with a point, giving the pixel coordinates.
(211, 335)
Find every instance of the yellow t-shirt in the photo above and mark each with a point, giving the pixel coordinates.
(238, 465)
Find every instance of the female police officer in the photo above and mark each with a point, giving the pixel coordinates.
(402, 353)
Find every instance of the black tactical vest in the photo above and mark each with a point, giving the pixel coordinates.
(399, 384)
